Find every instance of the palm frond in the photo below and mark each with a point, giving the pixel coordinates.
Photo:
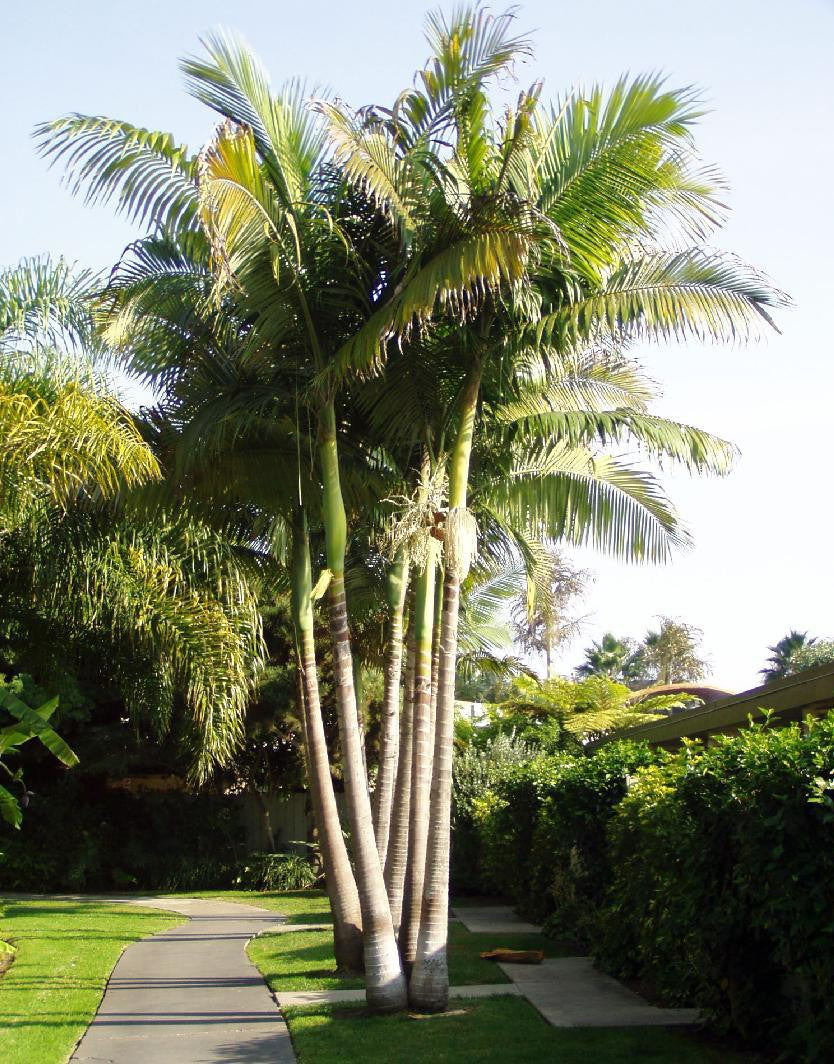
(151, 178)
(694, 294)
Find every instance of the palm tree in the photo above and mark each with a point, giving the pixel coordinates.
(82, 557)
(611, 657)
(543, 623)
(502, 265)
(581, 190)
(223, 420)
(782, 655)
(670, 655)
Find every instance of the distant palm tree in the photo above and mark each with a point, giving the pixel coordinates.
(782, 660)
(611, 657)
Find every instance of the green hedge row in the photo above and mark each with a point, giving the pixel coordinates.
(708, 873)
(80, 836)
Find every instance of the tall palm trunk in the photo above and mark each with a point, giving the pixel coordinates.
(421, 771)
(385, 983)
(397, 857)
(339, 879)
(429, 984)
(389, 739)
(435, 648)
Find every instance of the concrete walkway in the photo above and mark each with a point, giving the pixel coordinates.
(190, 995)
(569, 991)
(494, 919)
(338, 997)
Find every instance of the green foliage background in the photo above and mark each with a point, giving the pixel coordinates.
(707, 874)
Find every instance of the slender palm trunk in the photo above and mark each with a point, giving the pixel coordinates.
(385, 982)
(339, 879)
(421, 771)
(435, 647)
(397, 857)
(389, 739)
(429, 983)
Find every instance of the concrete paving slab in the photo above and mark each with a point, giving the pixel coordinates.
(190, 995)
(287, 929)
(571, 992)
(335, 997)
(500, 919)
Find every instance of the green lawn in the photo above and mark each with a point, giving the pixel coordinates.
(487, 1031)
(300, 906)
(67, 949)
(303, 960)
(65, 953)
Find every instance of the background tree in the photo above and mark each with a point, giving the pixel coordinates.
(669, 655)
(786, 654)
(611, 657)
(82, 558)
(542, 622)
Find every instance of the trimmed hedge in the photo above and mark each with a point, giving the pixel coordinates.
(708, 873)
(84, 837)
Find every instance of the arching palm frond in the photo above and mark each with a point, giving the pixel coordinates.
(46, 302)
(175, 593)
(150, 177)
(468, 49)
(570, 494)
(614, 167)
(61, 435)
(232, 81)
(693, 294)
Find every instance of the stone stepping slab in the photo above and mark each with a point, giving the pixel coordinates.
(338, 997)
(498, 919)
(571, 992)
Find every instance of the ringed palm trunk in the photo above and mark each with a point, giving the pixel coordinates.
(435, 647)
(429, 984)
(396, 859)
(421, 771)
(385, 983)
(339, 878)
(389, 740)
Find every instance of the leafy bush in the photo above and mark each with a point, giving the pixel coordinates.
(543, 831)
(820, 652)
(722, 885)
(477, 769)
(707, 873)
(275, 871)
(81, 836)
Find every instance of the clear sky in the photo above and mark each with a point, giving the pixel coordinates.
(761, 561)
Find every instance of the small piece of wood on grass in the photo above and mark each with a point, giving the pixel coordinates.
(514, 956)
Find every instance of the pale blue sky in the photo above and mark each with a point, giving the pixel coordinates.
(761, 561)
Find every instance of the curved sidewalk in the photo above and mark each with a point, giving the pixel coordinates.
(190, 995)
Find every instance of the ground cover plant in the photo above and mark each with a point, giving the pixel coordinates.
(64, 953)
(490, 1031)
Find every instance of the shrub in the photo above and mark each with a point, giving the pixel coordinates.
(477, 770)
(707, 873)
(722, 885)
(80, 836)
(540, 830)
(275, 871)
